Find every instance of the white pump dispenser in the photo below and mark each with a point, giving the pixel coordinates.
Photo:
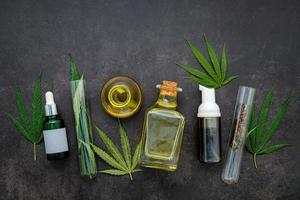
(209, 126)
(208, 107)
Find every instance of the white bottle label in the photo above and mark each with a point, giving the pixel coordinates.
(55, 140)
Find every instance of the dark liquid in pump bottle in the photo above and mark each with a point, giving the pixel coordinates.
(210, 151)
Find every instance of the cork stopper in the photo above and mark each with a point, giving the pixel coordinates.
(169, 88)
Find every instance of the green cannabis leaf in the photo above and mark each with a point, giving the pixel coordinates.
(121, 165)
(261, 135)
(83, 124)
(30, 127)
(215, 71)
(50, 87)
(75, 75)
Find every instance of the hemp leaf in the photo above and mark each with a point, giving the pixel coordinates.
(75, 75)
(50, 87)
(215, 71)
(261, 135)
(30, 127)
(121, 165)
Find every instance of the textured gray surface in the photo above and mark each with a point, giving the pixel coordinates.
(143, 39)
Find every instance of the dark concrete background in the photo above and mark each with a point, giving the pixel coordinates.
(143, 39)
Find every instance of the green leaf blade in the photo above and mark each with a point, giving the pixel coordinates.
(262, 136)
(137, 170)
(107, 158)
(37, 110)
(20, 128)
(125, 145)
(137, 155)
(248, 140)
(201, 82)
(263, 117)
(114, 172)
(116, 160)
(30, 127)
(202, 61)
(195, 72)
(276, 121)
(214, 60)
(75, 75)
(251, 146)
(273, 148)
(215, 73)
(224, 64)
(199, 75)
(228, 80)
(50, 87)
(21, 108)
(78, 101)
(112, 148)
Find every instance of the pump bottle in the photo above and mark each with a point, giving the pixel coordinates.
(55, 137)
(209, 117)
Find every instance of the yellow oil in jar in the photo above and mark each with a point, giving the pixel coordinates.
(121, 97)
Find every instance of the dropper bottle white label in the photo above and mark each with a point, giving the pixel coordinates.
(55, 141)
(55, 137)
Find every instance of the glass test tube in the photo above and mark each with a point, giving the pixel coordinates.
(243, 107)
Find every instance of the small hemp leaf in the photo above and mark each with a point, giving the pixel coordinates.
(75, 75)
(50, 87)
(214, 74)
(122, 164)
(259, 135)
(30, 127)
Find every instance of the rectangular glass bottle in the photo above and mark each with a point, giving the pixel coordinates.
(163, 130)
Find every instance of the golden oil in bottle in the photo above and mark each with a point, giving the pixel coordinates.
(163, 130)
